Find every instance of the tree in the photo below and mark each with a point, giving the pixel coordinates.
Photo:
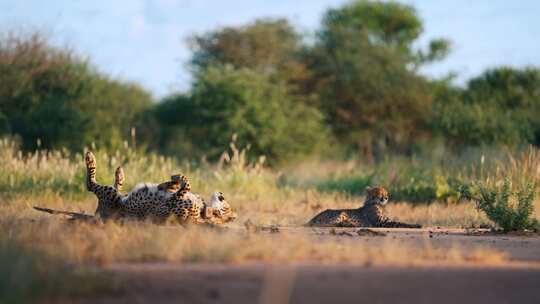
(116, 107)
(500, 106)
(268, 46)
(364, 69)
(53, 96)
(226, 101)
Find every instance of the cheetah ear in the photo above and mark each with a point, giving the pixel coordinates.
(370, 190)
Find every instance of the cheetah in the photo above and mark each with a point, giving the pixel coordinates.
(156, 202)
(369, 215)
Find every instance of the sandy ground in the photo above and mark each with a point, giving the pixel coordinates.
(517, 281)
(518, 247)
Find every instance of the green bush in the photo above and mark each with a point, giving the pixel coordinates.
(226, 102)
(500, 106)
(53, 98)
(511, 211)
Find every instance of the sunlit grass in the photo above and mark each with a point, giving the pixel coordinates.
(90, 244)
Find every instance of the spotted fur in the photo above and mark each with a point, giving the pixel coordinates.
(119, 179)
(369, 215)
(171, 200)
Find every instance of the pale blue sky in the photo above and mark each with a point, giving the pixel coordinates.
(144, 40)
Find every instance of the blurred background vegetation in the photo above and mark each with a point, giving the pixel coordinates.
(352, 90)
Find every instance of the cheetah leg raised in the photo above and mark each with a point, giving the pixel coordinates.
(185, 187)
(171, 186)
(119, 179)
(108, 197)
(182, 205)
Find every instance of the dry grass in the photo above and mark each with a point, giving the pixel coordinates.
(103, 244)
(462, 215)
(56, 180)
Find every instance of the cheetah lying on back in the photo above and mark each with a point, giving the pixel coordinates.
(169, 200)
(369, 215)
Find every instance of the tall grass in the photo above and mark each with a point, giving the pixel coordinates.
(427, 179)
(284, 196)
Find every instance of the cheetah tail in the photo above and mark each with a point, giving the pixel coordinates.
(72, 214)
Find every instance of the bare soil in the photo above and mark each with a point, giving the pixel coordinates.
(515, 281)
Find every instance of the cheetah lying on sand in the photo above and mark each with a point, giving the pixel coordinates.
(171, 200)
(369, 215)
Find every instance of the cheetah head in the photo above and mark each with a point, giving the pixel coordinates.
(376, 195)
(222, 211)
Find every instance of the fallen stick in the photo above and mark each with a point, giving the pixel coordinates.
(74, 215)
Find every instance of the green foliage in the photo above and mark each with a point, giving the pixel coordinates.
(358, 72)
(383, 23)
(350, 184)
(51, 96)
(241, 102)
(268, 46)
(438, 49)
(476, 124)
(39, 89)
(5, 128)
(501, 106)
(510, 210)
(361, 67)
(115, 108)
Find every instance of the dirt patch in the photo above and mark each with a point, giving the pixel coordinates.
(514, 281)
(518, 246)
(268, 283)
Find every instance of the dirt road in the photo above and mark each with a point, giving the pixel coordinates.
(517, 281)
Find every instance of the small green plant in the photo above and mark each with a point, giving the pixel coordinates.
(510, 210)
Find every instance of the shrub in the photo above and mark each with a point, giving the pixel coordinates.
(500, 106)
(511, 211)
(241, 102)
(53, 98)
